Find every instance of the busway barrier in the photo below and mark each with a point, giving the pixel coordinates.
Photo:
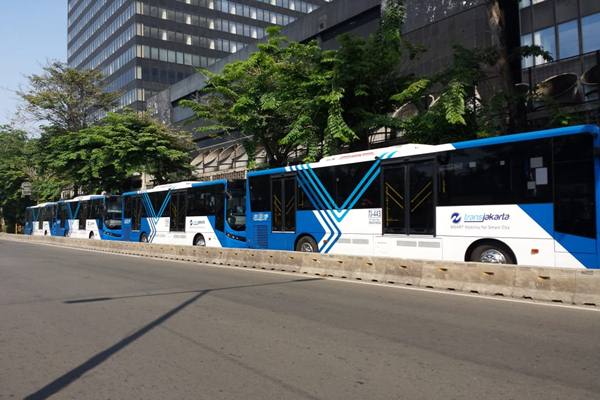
(561, 285)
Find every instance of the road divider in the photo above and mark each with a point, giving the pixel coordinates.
(560, 285)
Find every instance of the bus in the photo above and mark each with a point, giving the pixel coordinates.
(211, 214)
(90, 217)
(39, 219)
(528, 199)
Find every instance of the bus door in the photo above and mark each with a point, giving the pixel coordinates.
(137, 212)
(408, 198)
(283, 206)
(63, 215)
(178, 211)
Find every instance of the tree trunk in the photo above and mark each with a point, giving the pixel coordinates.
(504, 68)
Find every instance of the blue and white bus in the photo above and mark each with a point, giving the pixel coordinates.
(39, 219)
(208, 214)
(91, 217)
(528, 199)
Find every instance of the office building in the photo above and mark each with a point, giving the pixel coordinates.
(144, 46)
(568, 29)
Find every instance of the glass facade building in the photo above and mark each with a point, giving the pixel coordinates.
(567, 29)
(143, 46)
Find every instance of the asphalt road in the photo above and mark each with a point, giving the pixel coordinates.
(86, 325)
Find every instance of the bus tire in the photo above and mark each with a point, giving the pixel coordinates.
(492, 252)
(45, 233)
(307, 244)
(143, 238)
(199, 240)
(91, 235)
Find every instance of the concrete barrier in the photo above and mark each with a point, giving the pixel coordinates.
(569, 286)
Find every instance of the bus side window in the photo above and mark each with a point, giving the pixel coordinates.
(260, 193)
(516, 173)
(574, 198)
(157, 199)
(304, 202)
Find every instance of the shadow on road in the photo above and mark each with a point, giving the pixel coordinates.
(63, 381)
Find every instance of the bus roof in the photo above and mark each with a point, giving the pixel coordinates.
(50, 203)
(519, 137)
(176, 186)
(407, 150)
(86, 197)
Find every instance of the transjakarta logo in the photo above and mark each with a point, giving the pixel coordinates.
(456, 218)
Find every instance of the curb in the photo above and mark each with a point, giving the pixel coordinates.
(559, 285)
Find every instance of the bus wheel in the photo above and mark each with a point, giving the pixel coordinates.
(45, 233)
(143, 238)
(91, 236)
(199, 241)
(494, 253)
(306, 244)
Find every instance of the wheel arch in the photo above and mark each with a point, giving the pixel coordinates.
(303, 235)
(196, 236)
(491, 242)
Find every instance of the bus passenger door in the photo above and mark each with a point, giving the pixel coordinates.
(136, 218)
(409, 209)
(178, 206)
(408, 199)
(283, 203)
(420, 207)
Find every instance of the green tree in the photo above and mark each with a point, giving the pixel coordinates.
(281, 98)
(447, 105)
(14, 167)
(66, 98)
(369, 72)
(102, 157)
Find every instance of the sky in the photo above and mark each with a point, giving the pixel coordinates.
(32, 32)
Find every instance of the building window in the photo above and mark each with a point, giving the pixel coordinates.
(591, 33)
(527, 40)
(568, 39)
(527, 3)
(546, 39)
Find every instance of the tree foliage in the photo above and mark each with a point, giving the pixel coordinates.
(103, 156)
(447, 105)
(15, 151)
(66, 98)
(282, 98)
(369, 71)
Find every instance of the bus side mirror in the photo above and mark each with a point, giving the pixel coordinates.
(228, 195)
